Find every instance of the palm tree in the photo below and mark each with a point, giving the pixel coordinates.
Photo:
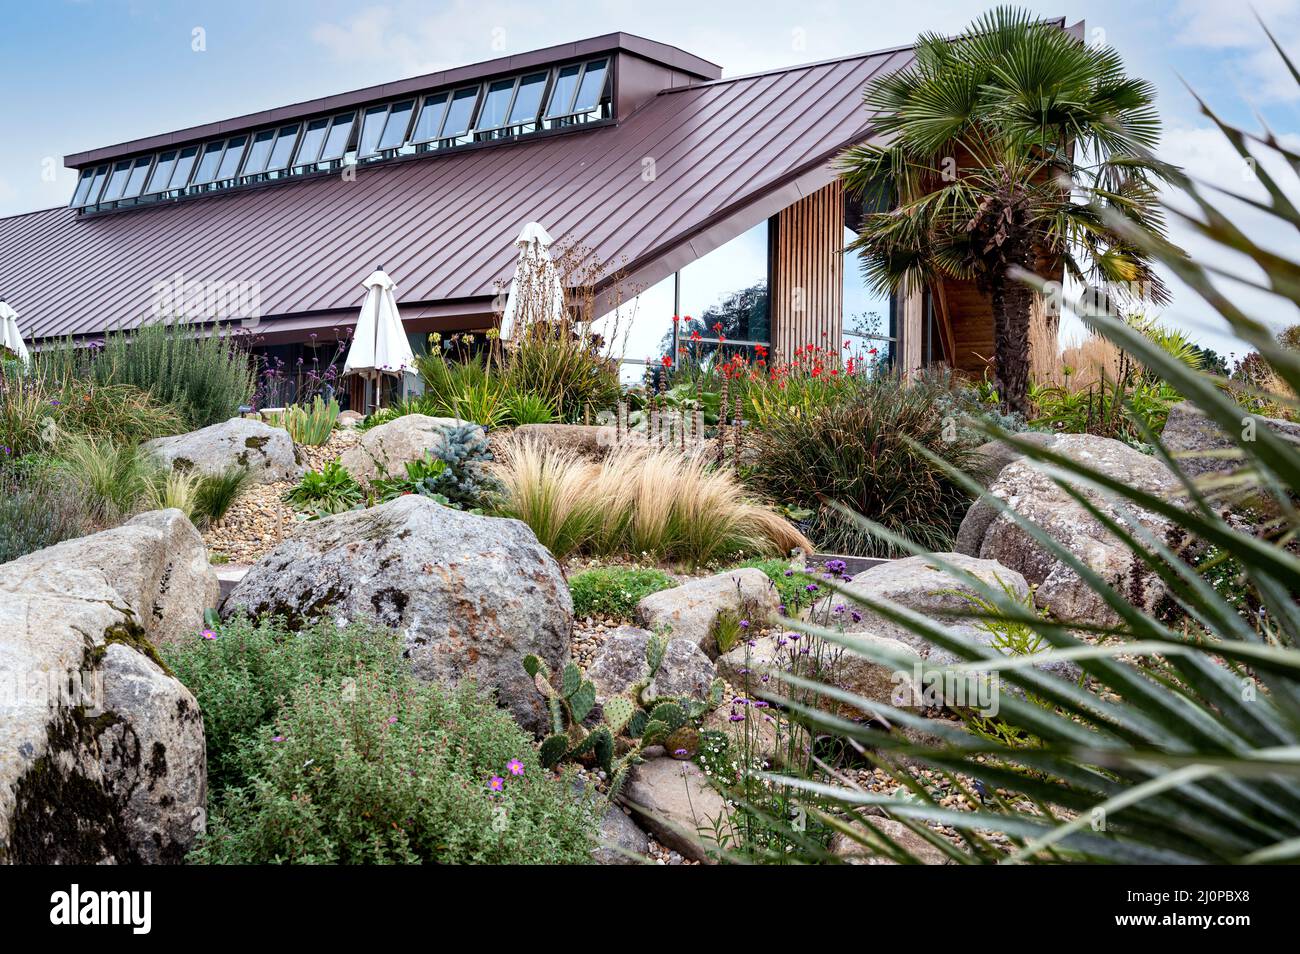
(1006, 148)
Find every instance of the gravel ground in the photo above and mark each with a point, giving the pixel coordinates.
(260, 520)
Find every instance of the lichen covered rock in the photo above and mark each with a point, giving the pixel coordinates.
(267, 452)
(471, 595)
(387, 448)
(103, 749)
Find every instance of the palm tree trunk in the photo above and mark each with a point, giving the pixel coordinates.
(1013, 303)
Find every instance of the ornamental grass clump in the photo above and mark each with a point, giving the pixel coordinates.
(638, 500)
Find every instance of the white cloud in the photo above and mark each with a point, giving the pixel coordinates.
(1250, 58)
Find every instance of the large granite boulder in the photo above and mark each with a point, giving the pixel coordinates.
(592, 441)
(621, 841)
(919, 584)
(676, 802)
(471, 595)
(387, 449)
(1034, 495)
(1195, 440)
(103, 757)
(266, 452)
(684, 673)
(691, 610)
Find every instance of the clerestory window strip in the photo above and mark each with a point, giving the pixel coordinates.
(502, 108)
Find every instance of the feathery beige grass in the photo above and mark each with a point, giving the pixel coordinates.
(638, 500)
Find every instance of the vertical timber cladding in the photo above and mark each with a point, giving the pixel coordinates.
(808, 273)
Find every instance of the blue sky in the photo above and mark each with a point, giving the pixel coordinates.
(76, 75)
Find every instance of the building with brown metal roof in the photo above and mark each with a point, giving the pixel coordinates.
(694, 189)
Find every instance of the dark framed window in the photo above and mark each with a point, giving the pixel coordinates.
(185, 163)
(162, 172)
(139, 173)
(285, 140)
(116, 181)
(258, 153)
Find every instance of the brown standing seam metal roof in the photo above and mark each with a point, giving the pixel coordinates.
(444, 226)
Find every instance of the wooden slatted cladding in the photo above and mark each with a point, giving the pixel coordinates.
(807, 291)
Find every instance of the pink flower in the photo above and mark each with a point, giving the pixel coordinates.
(392, 720)
(208, 634)
(497, 783)
(277, 738)
(515, 767)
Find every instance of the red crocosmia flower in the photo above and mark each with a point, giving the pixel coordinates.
(695, 336)
(667, 360)
(872, 351)
(835, 372)
(676, 318)
(816, 372)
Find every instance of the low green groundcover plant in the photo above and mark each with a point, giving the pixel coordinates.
(323, 749)
(615, 591)
(241, 670)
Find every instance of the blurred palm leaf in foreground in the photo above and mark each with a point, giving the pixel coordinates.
(1184, 747)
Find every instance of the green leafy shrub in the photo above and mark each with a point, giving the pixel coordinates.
(240, 672)
(421, 476)
(528, 409)
(36, 511)
(380, 768)
(206, 378)
(615, 591)
(326, 491)
(862, 454)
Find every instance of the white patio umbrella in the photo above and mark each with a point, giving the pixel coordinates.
(379, 344)
(10, 336)
(537, 289)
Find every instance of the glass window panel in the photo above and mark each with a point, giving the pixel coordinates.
(725, 292)
(312, 140)
(639, 332)
(459, 113)
(868, 314)
(117, 181)
(184, 166)
(139, 172)
(209, 163)
(426, 127)
(259, 152)
(230, 159)
(372, 126)
(284, 141)
(97, 184)
(593, 86)
(83, 187)
(336, 143)
(495, 104)
(395, 129)
(162, 172)
(566, 84)
(529, 99)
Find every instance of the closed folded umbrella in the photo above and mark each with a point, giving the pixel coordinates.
(537, 289)
(379, 344)
(10, 336)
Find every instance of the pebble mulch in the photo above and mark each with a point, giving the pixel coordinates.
(260, 520)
